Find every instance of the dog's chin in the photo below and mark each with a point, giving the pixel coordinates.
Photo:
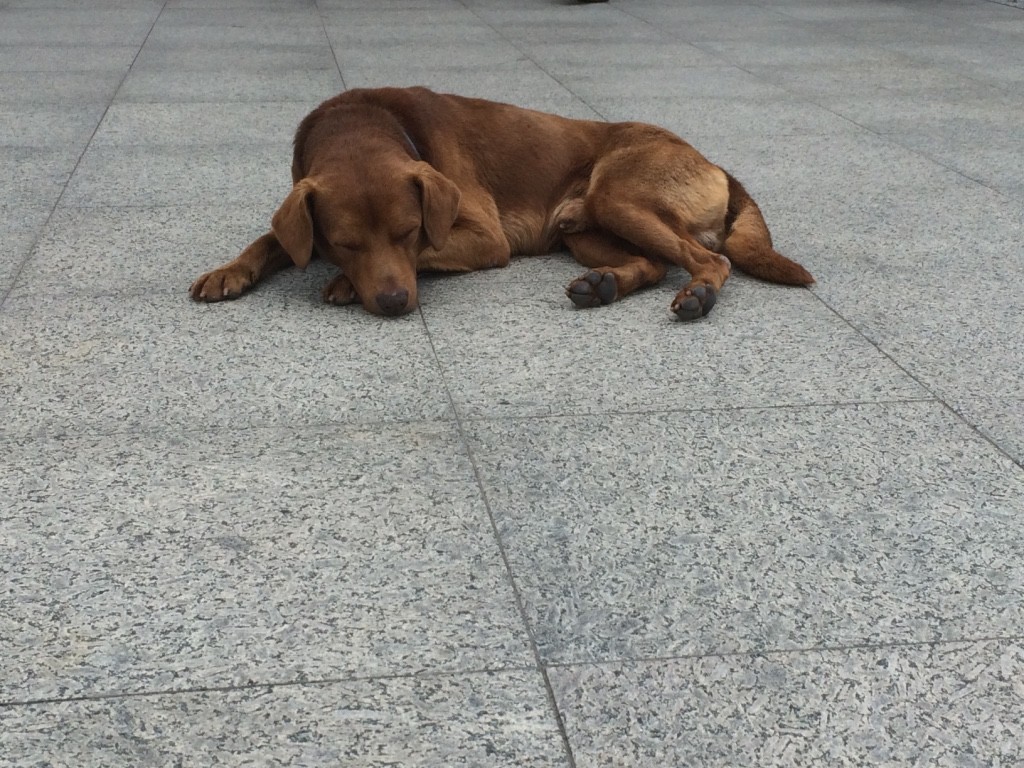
(392, 313)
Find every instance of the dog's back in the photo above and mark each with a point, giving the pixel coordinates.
(523, 160)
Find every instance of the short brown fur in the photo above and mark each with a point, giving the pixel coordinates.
(389, 182)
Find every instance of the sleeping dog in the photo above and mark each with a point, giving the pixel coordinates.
(389, 182)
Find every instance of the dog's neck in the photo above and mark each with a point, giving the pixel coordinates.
(413, 149)
(353, 122)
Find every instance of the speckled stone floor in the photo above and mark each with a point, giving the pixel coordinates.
(498, 531)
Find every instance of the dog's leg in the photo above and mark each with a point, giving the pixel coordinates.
(707, 276)
(615, 271)
(475, 242)
(640, 226)
(340, 291)
(469, 249)
(261, 259)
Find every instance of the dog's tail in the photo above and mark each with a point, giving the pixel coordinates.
(748, 244)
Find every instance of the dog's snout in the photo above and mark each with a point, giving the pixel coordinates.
(393, 302)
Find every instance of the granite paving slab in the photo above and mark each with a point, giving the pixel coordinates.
(64, 88)
(957, 705)
(116, 363)
(451, 54)
(391, 35)
(48, 127)
(991, 157)
(519, 348)
(1000, 420)
(243, 5)
(135, 251)
(858, 185)
(958, 349)
(501, 531)
(304, 30)
(891, 82)
(208, 559)
(603, 82)
(206, 124)
(32, 177)
(576, 58)
(698, 118)
(19, 228)
(988, 60)
(240, 15)
(235, 58)
(43, 57)
(678, 534)
(499, 719)
(256, 174)
(307, 86)
(522, 83)
(41, 28)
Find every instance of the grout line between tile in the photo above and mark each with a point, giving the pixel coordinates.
(936, 396)
(451, 419)
(324, 681)
(28, 255)
(534, 61)
(839, 648)
(327, 37)
(502, 551)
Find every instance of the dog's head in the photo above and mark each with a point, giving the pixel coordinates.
(373, 222)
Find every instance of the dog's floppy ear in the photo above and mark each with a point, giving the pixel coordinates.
(292, 224)
(440, 199)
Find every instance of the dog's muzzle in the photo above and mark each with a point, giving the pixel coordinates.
(393, 302)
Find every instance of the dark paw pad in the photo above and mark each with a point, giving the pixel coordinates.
(592, 290)
(694, 302)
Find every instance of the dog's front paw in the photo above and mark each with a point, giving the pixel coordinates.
(340, 291)
(593, 289)
(695, 301)
(220, 284)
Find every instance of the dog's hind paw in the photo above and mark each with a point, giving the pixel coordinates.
(592, 289)
(694, 301)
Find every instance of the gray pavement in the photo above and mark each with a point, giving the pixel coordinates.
(499, 531)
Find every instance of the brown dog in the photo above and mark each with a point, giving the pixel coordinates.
(392, 181)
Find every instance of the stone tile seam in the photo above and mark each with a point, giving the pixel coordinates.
(935, 395)
(503, 553)
(526, 54)
(56, 203)
(330, 44)
(838, 648)
(270, 684)
(178, 430)
(543, 668)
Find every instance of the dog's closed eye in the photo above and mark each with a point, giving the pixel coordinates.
(407, 234)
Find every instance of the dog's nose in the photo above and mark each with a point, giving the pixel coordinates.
(393, 302)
